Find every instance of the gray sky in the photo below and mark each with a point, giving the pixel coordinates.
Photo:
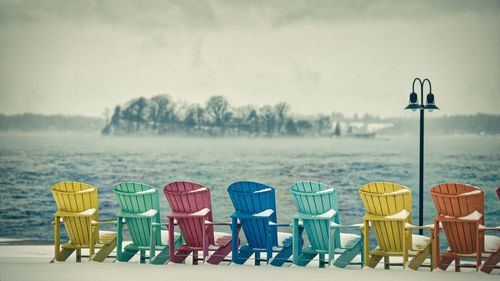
(79, 57)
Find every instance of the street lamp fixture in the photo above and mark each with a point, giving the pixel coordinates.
(414, 105)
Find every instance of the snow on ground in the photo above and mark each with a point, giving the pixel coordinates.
(25, 262)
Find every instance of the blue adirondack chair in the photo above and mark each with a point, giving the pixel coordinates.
(317, 206)
(255, 210)
(140, 212)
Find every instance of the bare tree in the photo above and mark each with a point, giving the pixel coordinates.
(282, 109)
(268, 119)
(217, 108)
(163, 113)
(195, 117)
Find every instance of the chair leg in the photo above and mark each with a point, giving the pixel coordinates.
(444, 262)
(366, 244)
(152, 242)
(362, 263)
(373, 260)
(234, 240)
(282, 256)
(269, 252)
(127, 253)
(349, 254)
(195, 257)
(119, 238)
(91, 240)
(219, 255)
(321, 260)
(295, 241)
(420, 257)
(162, 256)
(57, 238)
(78, 255)
(104, 252)
(331, 246)
(386, 262)
(64, 254)
(478, 248)
(435, 245)
(457, 264)
(405, 246)
(491, 262)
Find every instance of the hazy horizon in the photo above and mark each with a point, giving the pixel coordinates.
(78, 58)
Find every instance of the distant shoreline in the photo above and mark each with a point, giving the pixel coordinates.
(459, 125)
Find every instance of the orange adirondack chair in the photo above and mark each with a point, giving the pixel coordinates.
(460, 212)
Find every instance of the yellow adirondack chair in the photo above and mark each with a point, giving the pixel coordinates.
(77, 209)
(388, 214)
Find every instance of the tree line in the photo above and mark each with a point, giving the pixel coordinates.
(217, 117)
(161, 115)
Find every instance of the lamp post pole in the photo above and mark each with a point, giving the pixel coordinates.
(421, 173)
(429, 106)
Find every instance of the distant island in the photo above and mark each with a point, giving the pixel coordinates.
(161, 115)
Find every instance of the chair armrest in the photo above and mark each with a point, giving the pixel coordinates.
(487, 228)
(442, 218)
(178, 215)
(340, 226)
(148, 214)
(279, 224)
(102, 222)
(266, 214)
(325, 216)
(86, 214)
(383, 218)
(217, 223)
(411, 226)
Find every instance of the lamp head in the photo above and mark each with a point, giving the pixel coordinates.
(413, 102)
(430, 103)
(413, 97)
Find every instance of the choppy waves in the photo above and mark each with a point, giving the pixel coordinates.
(30, 164)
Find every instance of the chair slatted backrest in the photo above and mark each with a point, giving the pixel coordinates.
(459, 200)
(137, 198)
(384, 199)
(188, 197)
(77, 197)
(314, 198)
(253, 198)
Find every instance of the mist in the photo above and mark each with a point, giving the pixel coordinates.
(81, 57)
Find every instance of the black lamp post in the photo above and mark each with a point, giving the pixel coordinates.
(414, 105)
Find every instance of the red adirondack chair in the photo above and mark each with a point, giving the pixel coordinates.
(493, 260)
(192, 212)
(460, 212)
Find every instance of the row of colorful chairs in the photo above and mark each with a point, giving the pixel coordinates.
(460, 213)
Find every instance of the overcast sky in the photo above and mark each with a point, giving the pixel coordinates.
(79, 57)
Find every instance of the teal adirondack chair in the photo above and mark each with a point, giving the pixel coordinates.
(140, 213)
(317, 206)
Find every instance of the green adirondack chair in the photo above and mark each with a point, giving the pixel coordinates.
(317, 206)
(140, 212)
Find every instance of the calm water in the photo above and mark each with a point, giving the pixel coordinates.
(30, 164)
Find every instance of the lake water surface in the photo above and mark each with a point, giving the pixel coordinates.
(31, 163)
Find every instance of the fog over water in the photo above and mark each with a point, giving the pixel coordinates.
(80, 57)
